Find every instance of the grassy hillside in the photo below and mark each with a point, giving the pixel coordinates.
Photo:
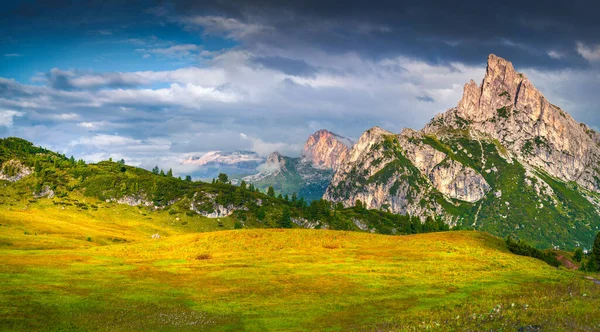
(57, 186)
(279, 280)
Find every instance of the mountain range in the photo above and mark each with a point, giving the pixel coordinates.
(309, 175)
(505, 160)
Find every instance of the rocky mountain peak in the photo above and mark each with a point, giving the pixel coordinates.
(509, 108)
(326, 150)
(275, 158)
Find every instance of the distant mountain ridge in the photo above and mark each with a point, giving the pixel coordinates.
(504, 160)
(309, 175)
(232, 163)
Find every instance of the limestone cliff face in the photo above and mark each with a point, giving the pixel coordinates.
(401, 174)
(325, 149)
(510, 109)
(459, 182)
(372, 175)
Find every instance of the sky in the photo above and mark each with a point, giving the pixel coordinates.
(156, 82)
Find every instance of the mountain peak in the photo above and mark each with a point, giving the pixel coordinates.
(325, 149)
(509, 108)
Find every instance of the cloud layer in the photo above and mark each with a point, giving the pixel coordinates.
(287, 69)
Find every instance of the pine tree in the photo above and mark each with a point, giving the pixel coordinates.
(596, 251)
(162, 173)
(578, 255)
(155, 170)
(301, 203)
(358, 204)
(170, 173)
(592, 266)
(188, 178)
(222, 178)
(271, 191)
(243, 185)
(286, 218)
(294, 198)
(286, 197)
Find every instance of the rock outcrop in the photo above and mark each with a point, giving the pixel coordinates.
(325, 149)
(13, 171)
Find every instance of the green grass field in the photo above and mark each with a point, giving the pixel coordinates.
(69, 269)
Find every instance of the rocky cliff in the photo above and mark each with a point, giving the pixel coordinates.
(325, 149)
(509, 108)
(504, 160)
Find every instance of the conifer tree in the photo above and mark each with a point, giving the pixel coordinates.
(222, 178)
(286, 218)
(271, 191)
(596, 252)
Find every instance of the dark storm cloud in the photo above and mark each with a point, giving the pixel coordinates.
(530, 33)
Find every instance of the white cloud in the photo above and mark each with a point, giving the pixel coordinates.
(590, 53)
(7, 117)
(175, 51)
(88, 125)
(13, 55)
(555, 55)
(229, 27)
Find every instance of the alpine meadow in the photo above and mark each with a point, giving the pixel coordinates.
(164, 167)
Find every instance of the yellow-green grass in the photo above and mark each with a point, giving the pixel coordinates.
(269, 279)
(44, 224)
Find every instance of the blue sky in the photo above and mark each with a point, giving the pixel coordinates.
(157, 82)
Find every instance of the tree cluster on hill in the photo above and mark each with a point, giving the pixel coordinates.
(521, 248)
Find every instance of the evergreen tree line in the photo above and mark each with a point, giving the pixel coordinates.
(522, 248)
(593, 261)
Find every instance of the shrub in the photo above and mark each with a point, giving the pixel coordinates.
(204, 256)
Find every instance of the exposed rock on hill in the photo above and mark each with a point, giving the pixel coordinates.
(14, 170)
